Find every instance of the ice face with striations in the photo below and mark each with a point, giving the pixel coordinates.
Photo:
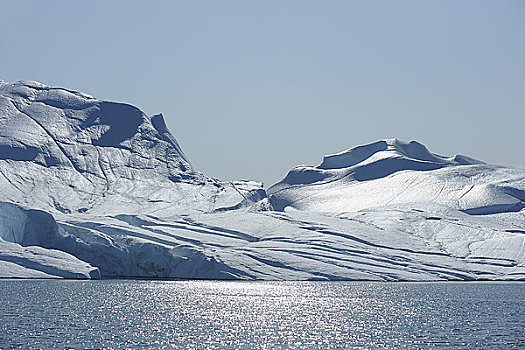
(69, 152)
(94, 188)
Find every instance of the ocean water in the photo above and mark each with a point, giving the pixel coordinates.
(123, 314)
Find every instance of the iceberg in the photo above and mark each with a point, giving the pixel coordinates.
(96, 189)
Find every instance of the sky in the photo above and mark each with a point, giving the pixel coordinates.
(252, 89)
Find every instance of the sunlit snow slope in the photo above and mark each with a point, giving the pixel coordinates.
(396, 172)
(92, 187)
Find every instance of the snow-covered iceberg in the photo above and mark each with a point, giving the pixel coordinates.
(27, 238)
(397, 172)
(93, 188)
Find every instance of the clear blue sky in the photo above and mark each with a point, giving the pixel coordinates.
(251, 89)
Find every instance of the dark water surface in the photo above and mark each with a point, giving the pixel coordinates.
(214, 314)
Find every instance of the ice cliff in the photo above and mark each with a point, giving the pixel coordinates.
(93, 188)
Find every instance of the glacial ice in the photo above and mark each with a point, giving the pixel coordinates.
(93, 188)
(24, 237)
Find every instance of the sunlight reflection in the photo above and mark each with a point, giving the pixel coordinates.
(223, 314)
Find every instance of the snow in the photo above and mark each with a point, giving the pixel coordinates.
(17, 261)
(24, 236)
(391, 148)
(93, 188)
(395, 172)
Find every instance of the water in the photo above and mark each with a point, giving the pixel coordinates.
(215, 314)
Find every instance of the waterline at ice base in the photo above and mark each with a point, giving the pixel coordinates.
(92, 189)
